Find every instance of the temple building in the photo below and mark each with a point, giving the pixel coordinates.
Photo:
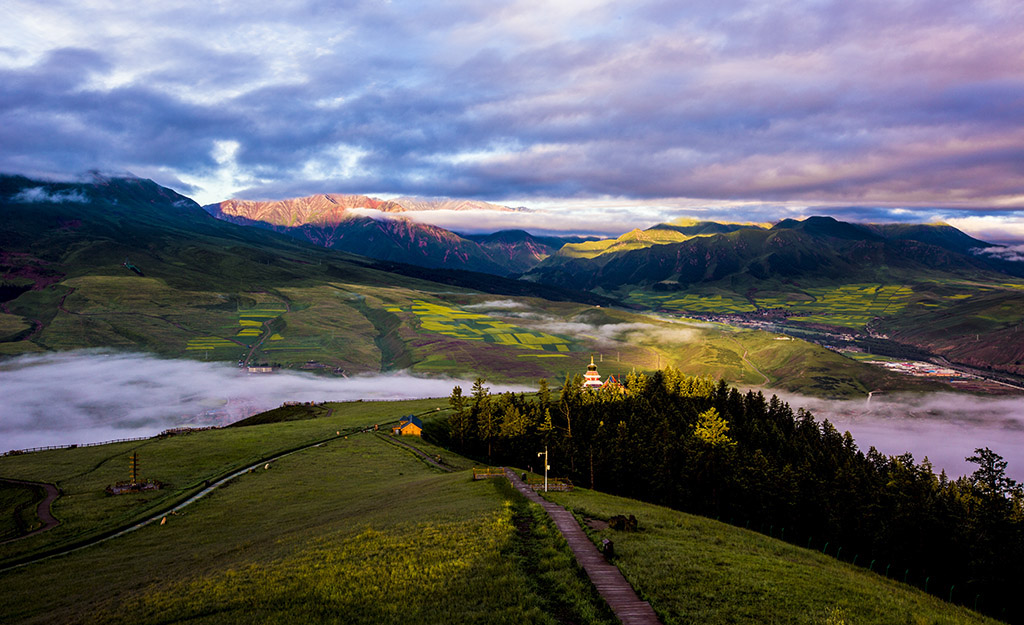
(592, 379)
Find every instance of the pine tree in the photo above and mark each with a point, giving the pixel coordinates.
(713, 429)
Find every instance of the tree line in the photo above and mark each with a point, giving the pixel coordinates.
(698, 445)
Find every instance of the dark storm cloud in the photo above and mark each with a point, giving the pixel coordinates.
(887, 104)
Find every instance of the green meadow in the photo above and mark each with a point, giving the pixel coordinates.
(184, 463)
(359, 530)
(355, 530)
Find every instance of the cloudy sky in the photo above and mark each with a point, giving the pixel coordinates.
(618, 112)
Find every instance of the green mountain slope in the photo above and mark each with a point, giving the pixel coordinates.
(925, 286)
(128, 264)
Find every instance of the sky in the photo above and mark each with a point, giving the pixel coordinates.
(606, 114)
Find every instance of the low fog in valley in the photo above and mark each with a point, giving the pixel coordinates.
(90, 396)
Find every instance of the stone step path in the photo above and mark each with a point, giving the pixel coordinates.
(621, 597)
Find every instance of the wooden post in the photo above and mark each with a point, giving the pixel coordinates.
(133, 468)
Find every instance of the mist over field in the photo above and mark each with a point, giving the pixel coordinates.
(945, 427)
(90, 396)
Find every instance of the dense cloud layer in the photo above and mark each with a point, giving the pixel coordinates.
(945, 427)
(911, 104)
(82, 397)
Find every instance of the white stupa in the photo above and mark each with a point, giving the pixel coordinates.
(592, 379)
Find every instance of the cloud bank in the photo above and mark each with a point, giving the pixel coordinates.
(88, 396)
(945, 427)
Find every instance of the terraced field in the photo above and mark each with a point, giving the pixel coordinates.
(471, 326)
(706, 302)
(848, 305)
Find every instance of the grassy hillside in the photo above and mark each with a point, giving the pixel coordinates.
(361, 531)
(696, 570)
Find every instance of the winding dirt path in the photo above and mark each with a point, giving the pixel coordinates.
(42, 510)
(744, 358)
(607, 578)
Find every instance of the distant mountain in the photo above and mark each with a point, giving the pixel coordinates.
(815, 248)
(362, 225)
(660, 234)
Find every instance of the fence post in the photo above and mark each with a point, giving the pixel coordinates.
(951, 593)
(976, 597)
(782, 534)
(855, 559)
(839, 551)
(825, 548)
(809, 541)
(926, 580)
(871, 567)
(887, 570)
(905, 575)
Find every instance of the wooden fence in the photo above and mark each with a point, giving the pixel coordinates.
(15, 452)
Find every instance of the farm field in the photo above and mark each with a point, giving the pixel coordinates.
(345, 328)
(471, 326)
(695, 570)
(848, 305)
(716, 301)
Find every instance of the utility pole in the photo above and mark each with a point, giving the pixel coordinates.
(546, 466)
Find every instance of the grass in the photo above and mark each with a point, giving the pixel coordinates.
(360, 531)
(182, 462)
(313, 539)
(19, 502)
(12, 326)
(695, 570)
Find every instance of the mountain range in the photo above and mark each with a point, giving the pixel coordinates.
(371, 227)
(670, 258)
(68, 249)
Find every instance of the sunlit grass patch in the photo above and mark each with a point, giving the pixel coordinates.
(208, 342)
(707, 303)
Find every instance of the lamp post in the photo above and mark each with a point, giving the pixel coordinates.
(546, 466)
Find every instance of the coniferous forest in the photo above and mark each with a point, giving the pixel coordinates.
(699, 446)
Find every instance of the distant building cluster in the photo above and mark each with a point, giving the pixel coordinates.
(920, 369)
